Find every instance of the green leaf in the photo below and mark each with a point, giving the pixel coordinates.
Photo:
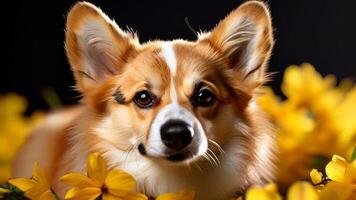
(353, 157)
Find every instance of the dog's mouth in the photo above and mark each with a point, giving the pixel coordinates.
(183, 155)
(178, 157)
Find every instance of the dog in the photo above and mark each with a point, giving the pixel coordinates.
(174, 114)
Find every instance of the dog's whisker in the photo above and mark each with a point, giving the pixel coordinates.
(221, 150)
(210, 159)
(215, 157)
(216, 163)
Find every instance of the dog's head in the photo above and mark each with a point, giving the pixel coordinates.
(169, 101)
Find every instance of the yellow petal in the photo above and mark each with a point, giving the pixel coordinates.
(271, 187)
(339, 191)
(96, 167)
(262, 194)
(71, 193)
(135, 196)
(89, 193)
(78, 180)
(39, 175)
(111, 197)
(48, 195)
(335, 169)
(131, 196)
(350, 173)
(23, 184)
(119, 183)
(302, 190)
(182, 195)
(316, 176)
(168, 196)
(36, 192)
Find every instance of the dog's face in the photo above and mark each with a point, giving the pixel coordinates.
(174, 102)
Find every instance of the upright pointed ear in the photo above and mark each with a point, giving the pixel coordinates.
(245, 38)
(96, 47)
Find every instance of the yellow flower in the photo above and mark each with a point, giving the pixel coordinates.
(3, 191)
(36, 187)
(302, 190)
(112, 185)
(182, 195)
(343, 175)
(269, 192)
(316, 176)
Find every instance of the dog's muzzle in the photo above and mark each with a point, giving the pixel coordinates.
(175, 135)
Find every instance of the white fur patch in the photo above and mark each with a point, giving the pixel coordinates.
(172, 92)
(170, 58)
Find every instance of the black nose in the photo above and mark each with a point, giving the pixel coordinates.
(176, 134)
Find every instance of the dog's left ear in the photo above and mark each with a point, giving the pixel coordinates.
(245, 38)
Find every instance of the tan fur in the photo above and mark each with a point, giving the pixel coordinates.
(231, 60)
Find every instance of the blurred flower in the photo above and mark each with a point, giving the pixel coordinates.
(303, 85)
(316, 120)
(115, 184)
(302, 190)
(338, 191)
(269, 192)
(182, 195)
(14, 128)
(36, 187)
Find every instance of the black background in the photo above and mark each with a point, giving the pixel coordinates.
(320, 32)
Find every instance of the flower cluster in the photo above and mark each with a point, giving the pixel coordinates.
(314, 121)
(98, 184)
(338, 184)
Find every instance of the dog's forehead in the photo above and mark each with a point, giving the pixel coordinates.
(156, 62)
(169, 65)
(182, 59)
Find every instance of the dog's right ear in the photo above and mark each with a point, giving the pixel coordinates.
(96, 47)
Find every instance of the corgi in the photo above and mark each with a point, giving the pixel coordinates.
(174, 114)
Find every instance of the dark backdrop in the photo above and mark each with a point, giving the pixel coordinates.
(322, 32)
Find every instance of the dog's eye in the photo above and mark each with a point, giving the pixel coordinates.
(204, 97)
(144, 99)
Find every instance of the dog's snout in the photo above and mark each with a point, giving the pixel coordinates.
(176, 134)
